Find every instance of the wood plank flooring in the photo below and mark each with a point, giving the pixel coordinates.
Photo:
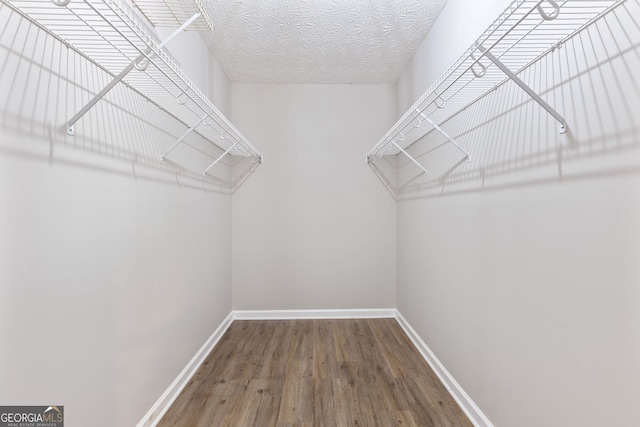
(314, 373)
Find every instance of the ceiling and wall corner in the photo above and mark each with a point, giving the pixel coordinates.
(293, 41)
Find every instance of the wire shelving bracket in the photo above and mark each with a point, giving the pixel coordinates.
(113, 35)
(136, 63)
(537, 98)
(526, 31)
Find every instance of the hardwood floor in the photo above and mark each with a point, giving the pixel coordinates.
(314, 373)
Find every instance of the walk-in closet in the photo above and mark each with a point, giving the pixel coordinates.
(320, 213)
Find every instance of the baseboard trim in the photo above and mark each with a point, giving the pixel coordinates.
(375, 313)
(162, 405)
(473, 412)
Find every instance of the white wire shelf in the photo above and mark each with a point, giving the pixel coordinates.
(112, 35)
(526, 31)
(172, 13)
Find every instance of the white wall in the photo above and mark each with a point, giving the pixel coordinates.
(313, 228)
(219, 87)
(192, 54)
(529, 297)
(109, 286)
(527, 291)
(111, 278)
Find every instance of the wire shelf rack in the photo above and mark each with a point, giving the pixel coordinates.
(526, 32)
(112, 35)
(173, 13)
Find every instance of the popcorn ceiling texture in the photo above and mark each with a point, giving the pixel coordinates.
(316, 41)
(293, 41)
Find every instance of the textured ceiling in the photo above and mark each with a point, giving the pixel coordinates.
(321, 41)
(311, 41)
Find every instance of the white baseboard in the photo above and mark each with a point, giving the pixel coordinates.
(314, 314)
(157, 411)
(473, 412)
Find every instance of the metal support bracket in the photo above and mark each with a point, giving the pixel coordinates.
(446, 135)
(134, 64)
(184, 135)
(219, 158)
(403, 151)
(527, 89)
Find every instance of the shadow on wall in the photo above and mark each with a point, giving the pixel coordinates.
(591, 78)
(44, 82)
